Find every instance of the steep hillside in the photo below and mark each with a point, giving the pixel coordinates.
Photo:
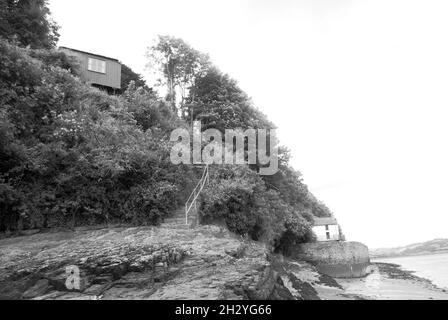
(429, 247)
(74, 156)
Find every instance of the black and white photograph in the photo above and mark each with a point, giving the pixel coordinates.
(223, 155)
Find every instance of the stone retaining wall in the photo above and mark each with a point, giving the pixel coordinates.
(336, 259)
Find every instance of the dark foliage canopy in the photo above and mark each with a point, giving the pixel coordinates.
(128, 75)
(28, 23)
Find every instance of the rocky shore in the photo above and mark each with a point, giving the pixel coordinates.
(176, 262)
(172, 262)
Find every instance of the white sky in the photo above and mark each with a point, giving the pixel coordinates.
(359, 90)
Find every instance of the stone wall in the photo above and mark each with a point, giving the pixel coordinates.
(336, 259)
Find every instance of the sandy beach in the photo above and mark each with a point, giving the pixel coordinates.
(390, 282)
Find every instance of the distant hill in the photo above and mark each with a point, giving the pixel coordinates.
(430, 247)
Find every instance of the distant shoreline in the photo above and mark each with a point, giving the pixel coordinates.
(375, 258)
(435, 246)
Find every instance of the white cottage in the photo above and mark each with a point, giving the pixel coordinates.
(326, 229)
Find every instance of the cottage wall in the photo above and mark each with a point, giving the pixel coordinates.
(321, 233)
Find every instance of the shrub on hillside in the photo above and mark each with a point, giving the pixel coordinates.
(72, 155)
(240, 198)
(57, 58)
(148, 111)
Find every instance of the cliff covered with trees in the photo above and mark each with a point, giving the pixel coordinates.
(71, 155)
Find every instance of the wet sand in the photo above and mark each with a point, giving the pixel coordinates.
(390, 282)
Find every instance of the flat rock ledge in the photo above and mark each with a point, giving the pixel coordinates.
(170, 262)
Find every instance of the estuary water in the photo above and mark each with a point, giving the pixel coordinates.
(433, 267)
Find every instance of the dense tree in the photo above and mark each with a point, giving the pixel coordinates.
(28, 22)
(217, 101)
(179, 65)
(128, 75)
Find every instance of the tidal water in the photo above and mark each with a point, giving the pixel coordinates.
(432, 267)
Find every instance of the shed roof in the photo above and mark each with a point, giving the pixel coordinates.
(89, 53)
(325, 221)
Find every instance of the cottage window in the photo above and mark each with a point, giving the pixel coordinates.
(97, 65)
(328, 236)
(327, 228)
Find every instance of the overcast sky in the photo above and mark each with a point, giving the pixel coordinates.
(359, 90)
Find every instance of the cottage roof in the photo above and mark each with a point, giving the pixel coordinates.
(89, 53)
(325, 221)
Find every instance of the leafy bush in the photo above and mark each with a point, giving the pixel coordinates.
(148, 111)
(72, 155)
(233, 201)
(56, 58)
(240, 198)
